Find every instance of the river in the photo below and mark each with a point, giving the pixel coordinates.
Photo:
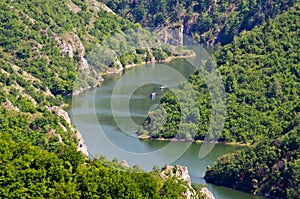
(91, 112)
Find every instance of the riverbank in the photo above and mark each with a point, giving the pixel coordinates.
(90, 103)
(147, 137)
(115, 70)
(169, 59)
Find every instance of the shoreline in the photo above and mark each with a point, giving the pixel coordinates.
(81, 145)
(168, 59)
(118, 71)
(60, 112)
(147, 137)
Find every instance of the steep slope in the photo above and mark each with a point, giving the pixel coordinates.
(208, 21)
(271, 168)
(49, 49)
(28, 171)
(50, 40)
(43, 48)
(268, 97)
(260, 71)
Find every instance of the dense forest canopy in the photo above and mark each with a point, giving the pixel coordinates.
(263, 91)
(271, 168)
(29, 171)
(207, 21)
(49, 40)
(43, 46)
(261, 75)
(260, 71)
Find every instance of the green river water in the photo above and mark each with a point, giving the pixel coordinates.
(91, 112)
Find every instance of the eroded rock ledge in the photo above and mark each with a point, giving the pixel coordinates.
(181, 173)
(81, 146)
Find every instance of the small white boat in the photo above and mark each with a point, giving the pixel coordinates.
(153, 95)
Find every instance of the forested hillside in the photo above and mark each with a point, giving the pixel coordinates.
(261, 74)
(207, 21)
(29, 172)
(50, 40)
(49, 50)
(271, 168)
(260, 71)
(43, 48)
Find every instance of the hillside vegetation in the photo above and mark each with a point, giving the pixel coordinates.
(260, 71)
(50, 40)
(28, 171)
(207, 21)
(261, 75)
(46, 46)
(263, 91)
(271, 168)
(43, 49)
(50, 49)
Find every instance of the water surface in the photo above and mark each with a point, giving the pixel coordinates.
(92, 114)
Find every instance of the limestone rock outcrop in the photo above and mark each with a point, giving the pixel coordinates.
(181, 173)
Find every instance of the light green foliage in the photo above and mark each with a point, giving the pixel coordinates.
(38, 153)
(28, 171)
(32, 35)
(38, 156)
(35, 128)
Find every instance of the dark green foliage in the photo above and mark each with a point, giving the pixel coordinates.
(28, 171)
(33, 65)
(260, 71)
(270, 168)
(206, 21)
(171, 189)
(38, 130)
(38, 156)
(177, 118)
(263, 105)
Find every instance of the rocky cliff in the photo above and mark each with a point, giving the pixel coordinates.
(182, 174)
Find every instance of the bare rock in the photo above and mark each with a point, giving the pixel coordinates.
(181, 173)
(10, 106)
(84, 64)
(73, 7)
(95, 5)
(52, 132)
(124, 163)
(207, 193)
(71, 44)
(81, 146)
